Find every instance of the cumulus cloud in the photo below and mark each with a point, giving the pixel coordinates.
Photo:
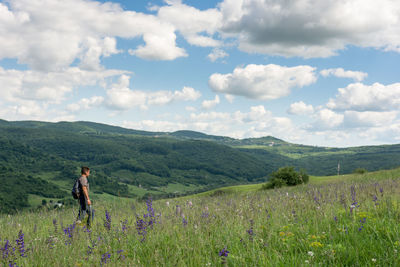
(50, 87)
(52, 38)
(262, 82)
(341, 73)
(86, 103)
(121, 97)
(300, 108)
(196, 26)
(311, 28)
(30, 94)
(327, 119)
(361, 97)
(355, 119)
(55, 37)
(216, 54)
(208, 104)
(256, 122)
(229, 98)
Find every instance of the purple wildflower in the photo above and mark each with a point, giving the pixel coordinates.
(69, 231)
(150, 213)
(106, 256)
(6, 250)
(90, 250)
(21, 244)
(124, 226)
(205, 214)
(316, 200)
(141, 227)
(353, 199)
(107, 221)
(268, 214)
(362, 221)
(184, 221)
(375, 200)
(120, 255)
(9, 253)
(224, 252)
(251, 231)
(86, 230)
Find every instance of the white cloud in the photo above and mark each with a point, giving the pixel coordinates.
(192, 23)
(121, 97)
(327, 119)
(166, 97)
(216, 54)
(86, 103)
(155, 126)
(300, 108)
(95, 49)
(50, 87)
(311, 28)
(355, 119)
(50, 35)
(329, 128)
(263, 82)
(341, 73)
(208, 104)
(256, 122)
(190, 109)
(360, 97)
(229, 98)
(187, 94)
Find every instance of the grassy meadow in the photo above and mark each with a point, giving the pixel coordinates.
(350, 220)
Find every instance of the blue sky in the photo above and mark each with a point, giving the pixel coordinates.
(306, 71)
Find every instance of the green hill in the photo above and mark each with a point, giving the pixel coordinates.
(124, 163)
(131, 163)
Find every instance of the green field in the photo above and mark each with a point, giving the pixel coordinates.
(350, 220)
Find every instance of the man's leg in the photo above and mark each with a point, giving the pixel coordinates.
(82, 209)
(90, 213)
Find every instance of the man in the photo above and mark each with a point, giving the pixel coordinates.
(84, 200)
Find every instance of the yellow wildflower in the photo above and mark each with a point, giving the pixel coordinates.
(316, 244)
(289, 234)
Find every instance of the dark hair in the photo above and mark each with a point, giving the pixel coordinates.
(84, 170)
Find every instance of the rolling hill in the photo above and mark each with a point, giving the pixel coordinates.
(132, 163)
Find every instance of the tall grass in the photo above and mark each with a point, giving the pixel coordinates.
(344, 222)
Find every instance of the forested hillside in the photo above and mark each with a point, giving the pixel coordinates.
(35, 153)
(37, 156)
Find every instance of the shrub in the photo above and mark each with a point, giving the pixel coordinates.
(290, 176)
(304, 176)
(274, 183)
(360, 171)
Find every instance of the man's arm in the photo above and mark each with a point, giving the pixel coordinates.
(86, 193)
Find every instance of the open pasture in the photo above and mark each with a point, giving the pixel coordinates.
(333, 221)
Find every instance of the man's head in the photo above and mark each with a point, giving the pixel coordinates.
(85, 171)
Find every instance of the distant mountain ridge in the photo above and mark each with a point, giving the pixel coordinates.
(87, 127)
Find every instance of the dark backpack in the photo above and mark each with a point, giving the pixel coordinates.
(76, 190)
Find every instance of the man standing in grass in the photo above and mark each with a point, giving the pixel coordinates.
(84, 200)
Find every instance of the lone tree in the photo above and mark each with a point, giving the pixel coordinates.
(287, 176)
